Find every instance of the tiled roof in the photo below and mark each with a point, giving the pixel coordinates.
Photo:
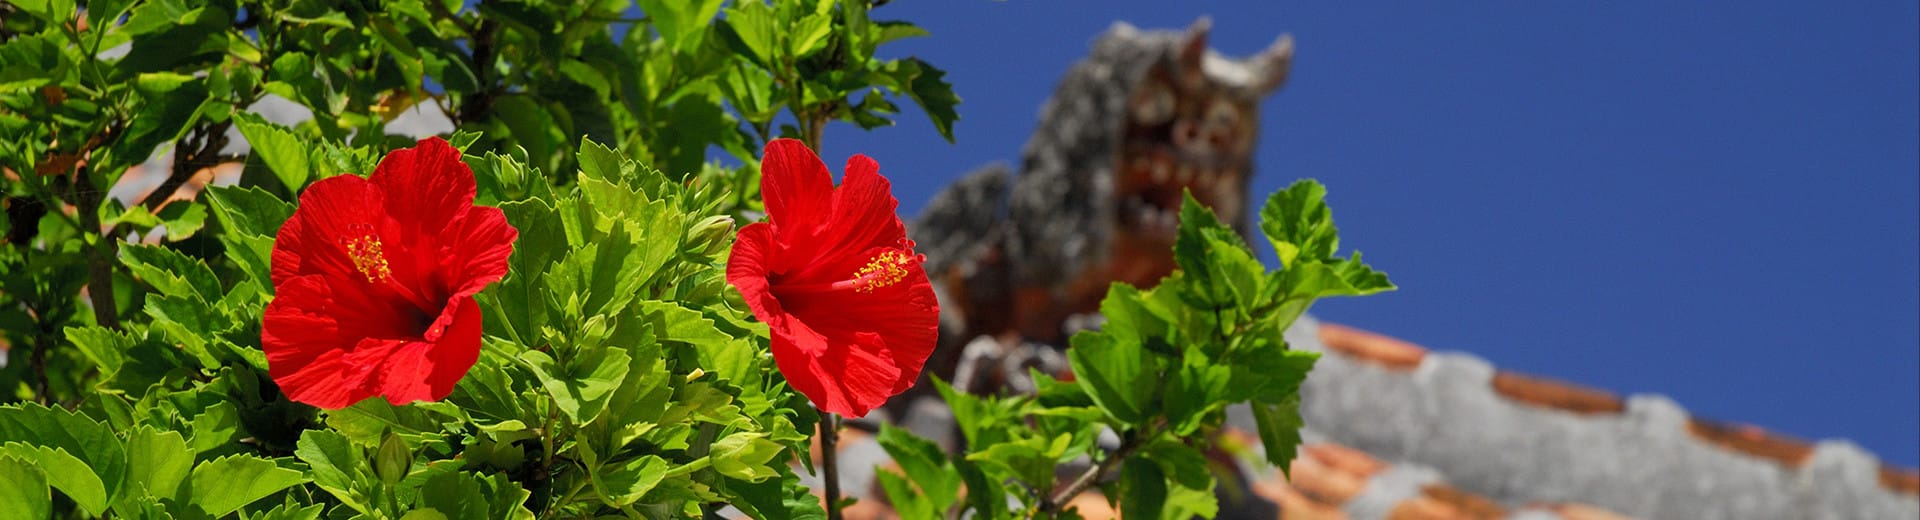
(1398, 432)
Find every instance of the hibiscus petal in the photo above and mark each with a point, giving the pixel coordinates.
(332, 211)
(841, 378)
(428, 370)
(864, 217)
(796, 187)
(306, 355)
(904, 316)
(474, 251)
(437, 187)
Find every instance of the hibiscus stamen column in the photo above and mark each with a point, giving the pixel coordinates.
(847, 303)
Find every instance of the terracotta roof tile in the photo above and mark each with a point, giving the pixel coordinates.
(1344, 458)
(1752, 440)
(1326, 483)
(1554, 394)
(1467, 505)
(1900, 479)
(1383, 350)
(1585, 512)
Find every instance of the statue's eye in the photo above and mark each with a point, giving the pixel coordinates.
(1152, 104)
(1222, 116)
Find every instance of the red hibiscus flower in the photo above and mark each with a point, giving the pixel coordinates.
(374, 281)
(835, 278)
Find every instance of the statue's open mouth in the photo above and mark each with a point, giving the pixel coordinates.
(1149, 187)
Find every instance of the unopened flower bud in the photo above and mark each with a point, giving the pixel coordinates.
(711, 235)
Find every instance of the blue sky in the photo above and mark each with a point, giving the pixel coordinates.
(1715, 201)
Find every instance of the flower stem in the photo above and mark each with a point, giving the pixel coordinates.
(829, 462)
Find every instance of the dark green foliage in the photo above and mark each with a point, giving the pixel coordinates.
(1159, 375)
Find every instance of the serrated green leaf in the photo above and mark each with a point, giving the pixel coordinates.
(624, 483)
(581, 388)
(23, 489)
(809, 34)
(457, 495)
(1120, 370)
(928, 87)
(171, 272)
(249, 210)
(93, 446)
(224, 485)
(1299, 218)
(64, 472)
(336, 466)
(293, 512)
(157, 463)
(278, 148)
(924, 463)
(680, 23)
(1143, 489)
(907, 501)
(105, 347)
(754, 26)
(182, 219)
(779, 499)
(1279, 425)
(215, 427)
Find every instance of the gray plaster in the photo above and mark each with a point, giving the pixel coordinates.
(1643, 462)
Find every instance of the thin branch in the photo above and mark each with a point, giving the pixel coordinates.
(829, 462)
(1132, 443)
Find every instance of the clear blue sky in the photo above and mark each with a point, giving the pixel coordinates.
(1715, 201)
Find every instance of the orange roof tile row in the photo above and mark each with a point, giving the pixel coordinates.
(1397, 354)
(1327, 476)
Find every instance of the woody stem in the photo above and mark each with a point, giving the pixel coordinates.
(829, 462)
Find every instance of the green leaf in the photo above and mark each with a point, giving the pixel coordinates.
(622, 484)
(23, 489)
(1220, 270)
(183, 219)
(1299, 223)
(1279, 425)
(214, 427)
(1143, 489)
(105, 347)
(293, 512)
(925, 464)
(907, 501)
(157, 462)
(367, 422)
(782, 499)
(580, 388)
(681, 23)
(171, 272)
(226, 484)
(64, 472)
(249, 210)
(809, 35)
(754, 25)
(337, 466)
(91, 444)
(744, 455)
(456, 495)
(282, 152)
(928, 87)
(1120, 370)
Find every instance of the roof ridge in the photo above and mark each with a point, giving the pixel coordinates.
(1399, 355)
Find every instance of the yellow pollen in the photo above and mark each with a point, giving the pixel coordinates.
(886, 269)
(366, 255)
